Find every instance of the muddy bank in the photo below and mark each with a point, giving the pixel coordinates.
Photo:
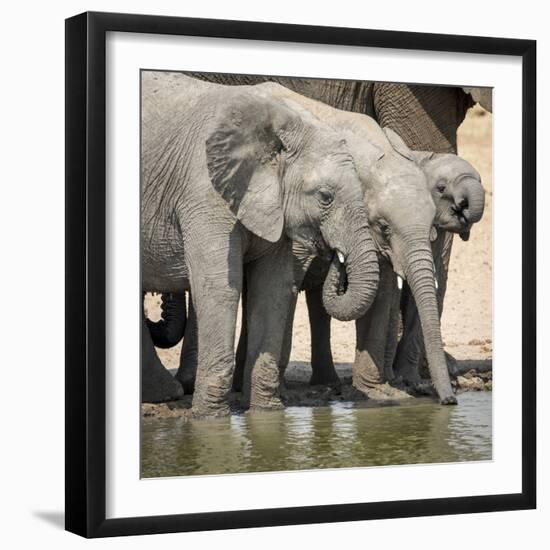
(474, 375)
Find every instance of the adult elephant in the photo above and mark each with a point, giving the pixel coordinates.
(233, 176)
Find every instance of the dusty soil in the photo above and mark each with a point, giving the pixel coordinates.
(467, 315)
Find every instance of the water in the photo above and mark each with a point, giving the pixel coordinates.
(302, 438)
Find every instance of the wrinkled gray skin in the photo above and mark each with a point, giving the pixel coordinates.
(231, 177)
(447, 176)
(401, 214)
(427, 118)
(402, 219)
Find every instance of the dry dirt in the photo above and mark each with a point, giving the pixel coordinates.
(467, 315)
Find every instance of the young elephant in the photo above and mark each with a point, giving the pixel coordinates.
(398, 221)
(401, 213)
(460, 199)
(230, 176)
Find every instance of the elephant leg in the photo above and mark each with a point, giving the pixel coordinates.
(267, 316)
(287, 342)
(215, 286)
(368, 372)
(371, 332)
(392, 336)
(189, 356)
(409, 348)
(157, 384)
(322, 364)
(240, 355)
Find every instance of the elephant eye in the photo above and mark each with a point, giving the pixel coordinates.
(326, 197)
(384, 226)
(440, 186)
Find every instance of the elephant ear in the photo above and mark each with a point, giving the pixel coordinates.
(398, 144)
(243, 156)
(421, 157)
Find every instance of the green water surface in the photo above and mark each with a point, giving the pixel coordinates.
(303, 438)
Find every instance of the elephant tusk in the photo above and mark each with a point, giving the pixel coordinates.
(399, 282)
(436, 283)
(340, 257)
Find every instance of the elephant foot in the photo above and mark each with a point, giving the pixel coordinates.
(383, 392)
(159, 386)
(272, 404)
(201, 412)
(422, 387)
(407, 371)
(210, 399)
(187, 380)
(264, 385)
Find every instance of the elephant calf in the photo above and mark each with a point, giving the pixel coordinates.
(458, 196)
(401, 212)
(231, 176)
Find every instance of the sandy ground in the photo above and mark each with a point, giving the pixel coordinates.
(467, 315)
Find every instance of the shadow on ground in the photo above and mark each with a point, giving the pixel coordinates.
(55, 518)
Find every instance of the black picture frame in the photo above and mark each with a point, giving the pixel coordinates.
(85, 274)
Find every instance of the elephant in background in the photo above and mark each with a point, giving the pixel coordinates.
(231, 177)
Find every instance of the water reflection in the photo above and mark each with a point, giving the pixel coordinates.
(325, 437)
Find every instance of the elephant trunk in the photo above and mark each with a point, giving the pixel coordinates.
(167, 332)
(352, 279)
(419, 272)
(469, 199)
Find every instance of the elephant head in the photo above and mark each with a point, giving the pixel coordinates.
(456, 189)
(281, 170)
(401, 214)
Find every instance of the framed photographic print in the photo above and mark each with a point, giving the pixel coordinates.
(293, 291)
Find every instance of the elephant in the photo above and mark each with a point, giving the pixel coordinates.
(447, 175)
(427, 118)
(231, 178)
(401, 212)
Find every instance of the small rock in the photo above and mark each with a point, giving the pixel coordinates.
(472, 373)
(489, 385)
(472, 384)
